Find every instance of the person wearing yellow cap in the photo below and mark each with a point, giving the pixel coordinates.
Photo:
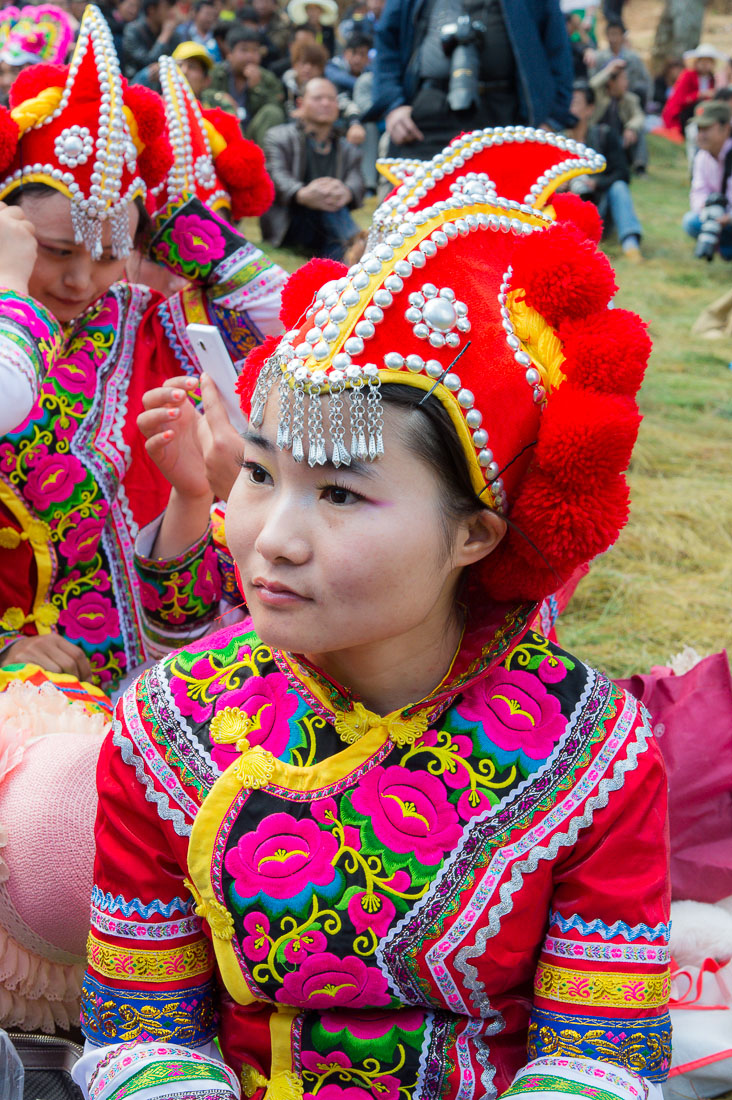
(196, 64)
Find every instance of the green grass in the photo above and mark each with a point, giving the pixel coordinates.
(668, 580)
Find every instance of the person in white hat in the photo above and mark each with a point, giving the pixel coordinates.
(321, 15)
(695, 82)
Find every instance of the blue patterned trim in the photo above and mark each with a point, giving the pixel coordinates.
(620, 928)
(640, 1046)
(120, 905)
(110, 1015)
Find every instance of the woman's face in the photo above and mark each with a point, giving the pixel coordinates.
(334, 559)
(65, 278)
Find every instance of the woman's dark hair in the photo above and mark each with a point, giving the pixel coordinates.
(42, 190)
(430, 435)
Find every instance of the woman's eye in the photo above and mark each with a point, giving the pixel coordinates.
(336, 494)
(257, 474)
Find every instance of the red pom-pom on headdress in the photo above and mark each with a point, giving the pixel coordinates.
(149, 111)
(155, 161)
(300, 288)
(562, 274)
(34, 80)
(583, 215)
(241, 169)
(9, 135)
(606, 352)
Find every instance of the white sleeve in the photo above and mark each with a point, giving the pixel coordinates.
(101, 1072)
(553, 1078)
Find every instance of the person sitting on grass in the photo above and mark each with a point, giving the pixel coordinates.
(317, 179)
(712, 171)
(609, 190)
(621, 110)
(257, 92)
(639, 79)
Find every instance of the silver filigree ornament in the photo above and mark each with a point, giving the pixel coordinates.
(73, 146)
(437, 316)
(204, 171)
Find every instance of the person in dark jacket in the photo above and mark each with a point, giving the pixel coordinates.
(609, 190)
(146, 39)
(525, 70)
(317, 179)
(257, 93)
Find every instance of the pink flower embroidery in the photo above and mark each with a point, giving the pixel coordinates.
(53, 479)
(326, 981)
(551, 670)
(314, 1062)
(77, 375)
(281, 858)
(307, 943)
(409, 812)
(335, 1092)
(91, 618)
(516, 713)
(269, 699)
(256, 944)
(198, 241)
(371, 911)
(82, 539)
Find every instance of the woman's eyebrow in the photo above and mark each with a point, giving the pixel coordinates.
(361, 469)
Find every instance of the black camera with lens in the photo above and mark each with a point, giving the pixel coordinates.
(711, 216)
(462, 42)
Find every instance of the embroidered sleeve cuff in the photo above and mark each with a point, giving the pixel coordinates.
(551, 1078)
(141, 1070)
(179, 596)
(29, 339)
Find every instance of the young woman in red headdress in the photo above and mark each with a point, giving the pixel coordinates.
(80, 153)
(384, 839)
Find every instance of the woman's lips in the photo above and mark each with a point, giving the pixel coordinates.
(274, 594)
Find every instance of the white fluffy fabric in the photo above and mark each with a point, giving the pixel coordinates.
(700, 931)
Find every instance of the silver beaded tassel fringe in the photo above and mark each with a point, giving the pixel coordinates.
(302, 424)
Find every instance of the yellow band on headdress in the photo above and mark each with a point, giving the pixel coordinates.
(134, 132)
(33, 111)
(215, 139)
(539, 340)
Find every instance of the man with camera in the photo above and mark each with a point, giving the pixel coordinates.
(446, 66)
(710, 198)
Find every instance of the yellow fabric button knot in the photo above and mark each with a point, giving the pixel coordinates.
(36, 532)
(216, 915)
(14, 618)
(230, 727)
(351, 725)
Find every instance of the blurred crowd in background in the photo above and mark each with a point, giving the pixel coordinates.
(325, 88)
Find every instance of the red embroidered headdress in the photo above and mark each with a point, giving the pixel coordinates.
(39, 34)
(474, 290)
(81, 130)
(211, 158)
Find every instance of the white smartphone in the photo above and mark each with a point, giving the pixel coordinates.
(215, 360)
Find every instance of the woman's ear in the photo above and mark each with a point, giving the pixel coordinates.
(478, 537)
